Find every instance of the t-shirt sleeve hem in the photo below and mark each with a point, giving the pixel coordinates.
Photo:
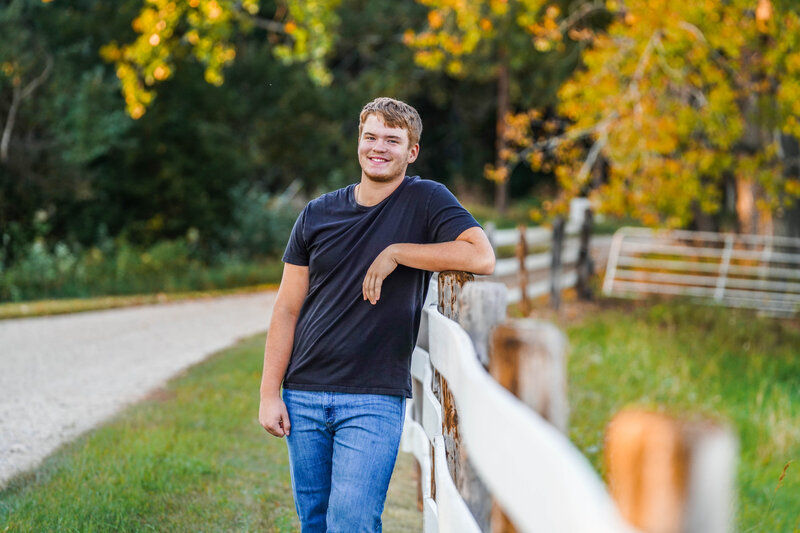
(294, 260)
(459, 230)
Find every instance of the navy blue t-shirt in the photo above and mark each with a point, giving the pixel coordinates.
(343, 343)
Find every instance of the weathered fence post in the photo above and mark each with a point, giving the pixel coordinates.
(450, 284)
(555, 265)
(669, 475)
(527, 357)
(522, 253)
(585, 265)
(482, 305)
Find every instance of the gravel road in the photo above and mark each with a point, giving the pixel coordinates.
(63, 375)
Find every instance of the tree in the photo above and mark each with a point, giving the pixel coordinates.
(170, 29)
(59, 110)
(678, 99)
(509, 41)
(24, 65)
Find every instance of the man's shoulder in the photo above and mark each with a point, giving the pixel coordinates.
(329, 199)
(417, 185)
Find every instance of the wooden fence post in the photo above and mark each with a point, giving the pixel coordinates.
(522, 253)
(527, 357)
(585, 265)
(669, 475)
(555, 265)
(482, 305)
(450, 284)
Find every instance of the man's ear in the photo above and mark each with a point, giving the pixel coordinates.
(413, 153)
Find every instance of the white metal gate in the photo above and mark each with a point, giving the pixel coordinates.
(752, 271)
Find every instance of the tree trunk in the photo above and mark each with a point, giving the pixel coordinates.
(752, 220)
(501, 186)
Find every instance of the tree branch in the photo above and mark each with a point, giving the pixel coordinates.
(10, 120)
(694, 30)
(552, 142)
(264, 23)
(594, 152)
(28, 90)
(633, 86)
(19, 94)
(584, 11)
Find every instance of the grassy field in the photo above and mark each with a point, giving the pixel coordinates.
(683, 359)
(192, 457)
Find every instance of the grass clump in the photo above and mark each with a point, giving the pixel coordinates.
(691, 360)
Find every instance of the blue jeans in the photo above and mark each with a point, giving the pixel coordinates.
(342, 450)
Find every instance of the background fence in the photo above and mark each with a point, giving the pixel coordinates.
(754, 271)
(548, 260)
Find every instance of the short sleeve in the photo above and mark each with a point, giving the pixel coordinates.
(447, 219)
(296, 250)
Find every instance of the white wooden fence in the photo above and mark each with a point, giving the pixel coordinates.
(536, 477)
(553, 266)
(537, 264)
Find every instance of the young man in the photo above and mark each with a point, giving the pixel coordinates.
(345, 321)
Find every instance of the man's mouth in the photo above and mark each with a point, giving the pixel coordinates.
(378, 160)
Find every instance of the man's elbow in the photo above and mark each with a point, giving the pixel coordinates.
(485, 264)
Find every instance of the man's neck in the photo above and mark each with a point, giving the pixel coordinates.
(369, 192)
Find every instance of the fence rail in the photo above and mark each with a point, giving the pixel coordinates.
(536, 272)
(536, 265)
(752, 271)
(537, 476)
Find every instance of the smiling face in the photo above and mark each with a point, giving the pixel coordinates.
(383, 152)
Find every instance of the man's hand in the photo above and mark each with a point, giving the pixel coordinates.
(273, 416)
(381, 267)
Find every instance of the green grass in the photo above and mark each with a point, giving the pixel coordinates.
(719, 363)
(190, 458)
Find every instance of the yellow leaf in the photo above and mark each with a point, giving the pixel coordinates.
(161, 72)
(435, 19)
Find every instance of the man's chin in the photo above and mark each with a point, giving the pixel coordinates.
(381, 178)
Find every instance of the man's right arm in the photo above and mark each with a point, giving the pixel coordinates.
(272, 412)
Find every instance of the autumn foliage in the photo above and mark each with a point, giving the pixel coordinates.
(301, 30)
(677, 106)
(674, 101)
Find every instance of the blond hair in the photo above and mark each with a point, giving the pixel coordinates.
(395, 114)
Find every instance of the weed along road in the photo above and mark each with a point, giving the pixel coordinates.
(62, 375)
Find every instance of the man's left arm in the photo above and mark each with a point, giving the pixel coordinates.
(471, 252)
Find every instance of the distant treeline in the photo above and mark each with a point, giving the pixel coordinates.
(79, 169)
